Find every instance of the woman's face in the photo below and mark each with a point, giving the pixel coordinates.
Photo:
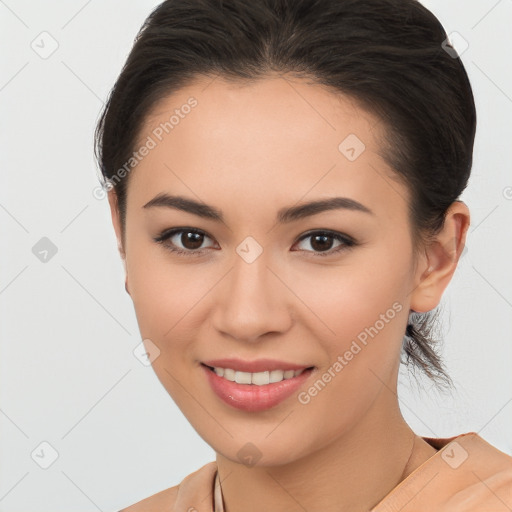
(255, 285)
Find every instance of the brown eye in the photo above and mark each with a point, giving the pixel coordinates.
(183, 241)
(191, 240)
(322, 242)
(188, 242)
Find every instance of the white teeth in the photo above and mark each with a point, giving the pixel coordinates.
(276, 375)
(229, 374)
(243, 377)
(259, 378)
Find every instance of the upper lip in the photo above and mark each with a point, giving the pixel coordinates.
(258, 365)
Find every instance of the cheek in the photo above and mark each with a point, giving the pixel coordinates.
(360, 319)
(339, 303)
(360, 326)
(172, 302)
(346, 302)
(162, 291)
(164, 296)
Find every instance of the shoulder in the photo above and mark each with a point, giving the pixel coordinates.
(195, 486)
(493, 492)
(476, 475)
(483, 458)
(487, 475)
(163, 500)
(467, 474)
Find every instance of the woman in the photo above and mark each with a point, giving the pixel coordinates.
(283, 180)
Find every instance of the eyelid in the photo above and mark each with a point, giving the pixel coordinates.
(328, 232)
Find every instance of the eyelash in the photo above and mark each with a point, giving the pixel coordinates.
(167, 234)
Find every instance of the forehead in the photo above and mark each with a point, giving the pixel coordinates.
(305, 110)
(271, 140)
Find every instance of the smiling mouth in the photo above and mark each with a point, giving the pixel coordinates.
(256, 378)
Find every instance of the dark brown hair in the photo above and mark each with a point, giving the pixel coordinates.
(392, 57)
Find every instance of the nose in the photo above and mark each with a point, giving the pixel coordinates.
(252, 301)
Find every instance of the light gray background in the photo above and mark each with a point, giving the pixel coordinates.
(68, 329)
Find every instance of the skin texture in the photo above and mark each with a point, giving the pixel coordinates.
(249, 150)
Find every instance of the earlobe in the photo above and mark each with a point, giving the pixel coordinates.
(442, 257)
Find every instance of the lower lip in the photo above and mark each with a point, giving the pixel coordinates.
(253, 398)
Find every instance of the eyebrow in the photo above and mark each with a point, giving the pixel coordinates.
(284, 215)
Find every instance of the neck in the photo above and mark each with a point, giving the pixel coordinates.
(352, 473)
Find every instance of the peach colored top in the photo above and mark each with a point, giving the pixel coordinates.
(467, 474)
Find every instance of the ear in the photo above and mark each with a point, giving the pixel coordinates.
(436, 268)
(116, 222)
